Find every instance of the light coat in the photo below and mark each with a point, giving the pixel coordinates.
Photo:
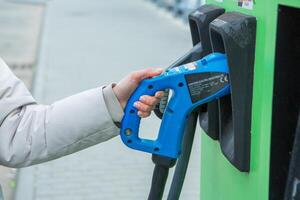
(31, 133)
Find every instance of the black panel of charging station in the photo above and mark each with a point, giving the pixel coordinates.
(234, 34)
(199, 21)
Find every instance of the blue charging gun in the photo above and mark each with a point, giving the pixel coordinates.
(193, 84)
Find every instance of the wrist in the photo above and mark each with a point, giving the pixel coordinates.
(113, 104)
(117, 91)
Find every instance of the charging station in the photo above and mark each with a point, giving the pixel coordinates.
(249, 137)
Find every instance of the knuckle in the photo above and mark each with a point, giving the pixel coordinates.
(147, 114)
(134, 75)
(143, 107)
(150, 100)
(144, 98)
(144, 114)
(156, 101)
(148, 108)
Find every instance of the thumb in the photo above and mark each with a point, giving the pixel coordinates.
(147, 73)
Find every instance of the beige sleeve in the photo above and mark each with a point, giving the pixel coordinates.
(31, 133)
(113, 105)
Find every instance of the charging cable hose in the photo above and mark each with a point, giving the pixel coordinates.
(163, 164)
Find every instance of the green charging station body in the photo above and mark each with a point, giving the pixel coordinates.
(255, 166)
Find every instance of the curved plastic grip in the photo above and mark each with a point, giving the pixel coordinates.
(131, 121)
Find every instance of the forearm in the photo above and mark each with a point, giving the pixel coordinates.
(32, 133)
(36, 133)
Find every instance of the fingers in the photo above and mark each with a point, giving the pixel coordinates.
(149, 100)
(147, 103)
(144, 114)
(143, 107)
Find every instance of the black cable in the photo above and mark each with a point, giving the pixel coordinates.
(183, 161)
(163, 164)
(160, 176)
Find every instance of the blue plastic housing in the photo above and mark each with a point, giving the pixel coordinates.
(169, 140)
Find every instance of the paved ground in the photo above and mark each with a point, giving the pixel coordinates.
(87, 44)
(19, 33)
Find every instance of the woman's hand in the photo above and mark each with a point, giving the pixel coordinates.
(129, 83)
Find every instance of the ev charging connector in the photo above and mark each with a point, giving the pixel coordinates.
(193, 84)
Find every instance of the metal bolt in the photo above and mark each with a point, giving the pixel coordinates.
(128, 131)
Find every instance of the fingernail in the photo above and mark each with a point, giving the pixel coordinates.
(139, 113)
(136, 104)
(158, 95)
(142, 98)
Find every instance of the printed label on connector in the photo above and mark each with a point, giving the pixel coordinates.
(203, 85)
(183, 68)
(190, 66)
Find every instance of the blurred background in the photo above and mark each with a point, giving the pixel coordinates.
(62, 47)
